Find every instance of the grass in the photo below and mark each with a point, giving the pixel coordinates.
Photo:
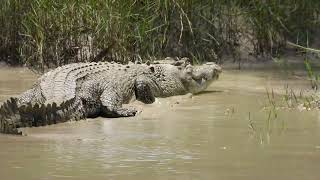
(44, 33)
(263, 131)
(264, 124)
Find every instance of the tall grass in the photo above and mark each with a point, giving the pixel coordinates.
(45, 33)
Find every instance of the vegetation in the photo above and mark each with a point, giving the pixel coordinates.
(45, 33)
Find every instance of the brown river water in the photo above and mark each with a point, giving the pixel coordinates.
(207, 136)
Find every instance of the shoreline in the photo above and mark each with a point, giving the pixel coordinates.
(249, 63)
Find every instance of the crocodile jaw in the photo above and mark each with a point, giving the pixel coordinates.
(203, 76)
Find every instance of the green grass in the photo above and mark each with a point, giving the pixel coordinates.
(45, 33)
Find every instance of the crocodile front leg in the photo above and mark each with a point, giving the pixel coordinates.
(143, 92)
(112, 106)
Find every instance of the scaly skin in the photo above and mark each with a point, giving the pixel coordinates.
(81, 90)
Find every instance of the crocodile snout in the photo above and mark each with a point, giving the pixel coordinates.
(216, 72)
(218, 69)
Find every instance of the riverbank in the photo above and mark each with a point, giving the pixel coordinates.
(47, 34)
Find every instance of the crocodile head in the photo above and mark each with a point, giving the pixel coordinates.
(198, 78)
(181, 78)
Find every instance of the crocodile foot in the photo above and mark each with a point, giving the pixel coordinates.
(118, 112)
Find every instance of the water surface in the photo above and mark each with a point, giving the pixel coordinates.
(208, 136)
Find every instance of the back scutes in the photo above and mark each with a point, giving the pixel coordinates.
(13, 117)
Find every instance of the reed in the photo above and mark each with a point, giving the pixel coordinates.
(45, 33)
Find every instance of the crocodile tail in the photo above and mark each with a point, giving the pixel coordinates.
(8, 112)
(13, 117)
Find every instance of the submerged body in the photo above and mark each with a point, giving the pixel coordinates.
(81, 90)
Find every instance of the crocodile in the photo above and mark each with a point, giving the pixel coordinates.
(88, 90)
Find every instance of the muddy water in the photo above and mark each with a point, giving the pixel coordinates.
(208, 136)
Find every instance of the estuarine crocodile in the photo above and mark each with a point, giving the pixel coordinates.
(81, 90)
